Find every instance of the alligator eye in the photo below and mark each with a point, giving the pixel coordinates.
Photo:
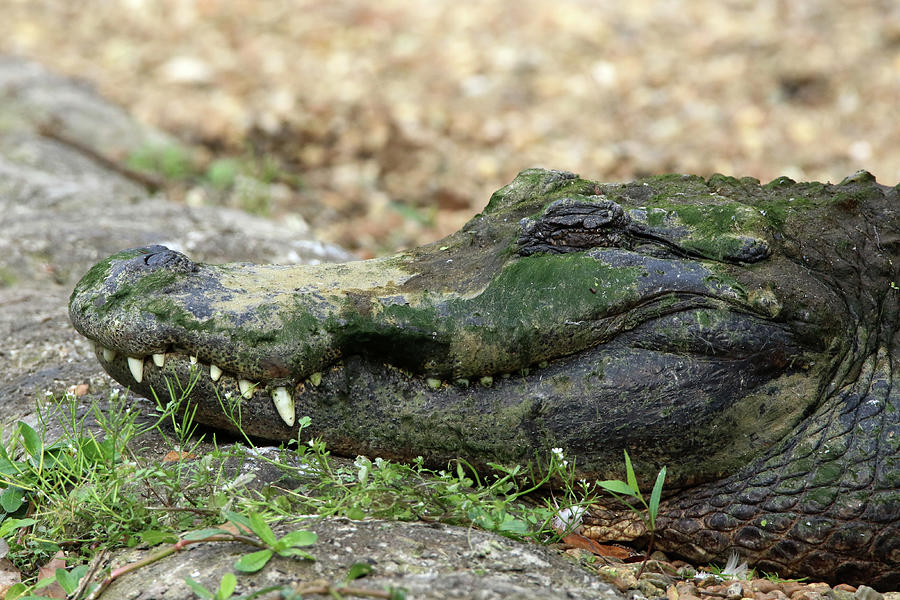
(162, 257)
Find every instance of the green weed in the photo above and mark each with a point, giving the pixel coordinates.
(243, 181)
(172, 161)
(90, 487)
(622, 490)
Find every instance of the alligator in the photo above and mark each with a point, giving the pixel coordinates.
(743, 335)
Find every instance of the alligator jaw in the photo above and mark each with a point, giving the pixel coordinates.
(149, 374)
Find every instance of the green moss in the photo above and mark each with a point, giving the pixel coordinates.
(100, 272)
(656, 217)
(714, 219)
(7, 277)
(147, 285)
(531, 307)
(534, 184)
(547, 286)
(679, 179)
(717, 248)
(827, 474)
(170, 311)
(853, 196)
(718, 180)
(860, 176)
(780, 182)
(414, 336)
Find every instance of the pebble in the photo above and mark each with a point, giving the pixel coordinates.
(656, 584)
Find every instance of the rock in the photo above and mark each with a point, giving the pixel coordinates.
(649, 588)
(428, 560)
(764, 585)
(686, 589)
(864, 592)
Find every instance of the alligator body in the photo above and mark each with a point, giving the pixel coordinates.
(743, 335)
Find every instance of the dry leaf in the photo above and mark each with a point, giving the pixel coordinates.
(173, 456)
(79, 390)
(48, 571)
(576, 540)
(9, 575)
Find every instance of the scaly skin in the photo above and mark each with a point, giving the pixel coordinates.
(743, 335)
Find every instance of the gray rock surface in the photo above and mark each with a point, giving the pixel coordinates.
(427, 560)
(60, 211)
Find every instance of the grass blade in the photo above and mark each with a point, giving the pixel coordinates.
(655, 496)
(617, 486)
(629, 474)
(31, 441)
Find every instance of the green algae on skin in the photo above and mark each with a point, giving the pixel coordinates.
(556, 299)
(100, 272)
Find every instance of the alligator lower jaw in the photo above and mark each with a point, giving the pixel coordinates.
(152, 367)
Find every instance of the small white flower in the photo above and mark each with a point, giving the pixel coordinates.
(558, 452)
(567, 519)
(312, 443)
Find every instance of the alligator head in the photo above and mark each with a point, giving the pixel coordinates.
(743, 335)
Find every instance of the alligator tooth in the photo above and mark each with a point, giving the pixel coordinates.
(136, 366)
(433, 383)
(284, 404)
(246, 388)
(108, 355)
(159, 360)
(487, 381)
(193, 360)
(316, 378)
(214, 372)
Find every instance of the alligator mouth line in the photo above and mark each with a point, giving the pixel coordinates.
(143, 369)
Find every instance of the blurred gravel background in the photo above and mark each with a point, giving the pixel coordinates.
(401, 117)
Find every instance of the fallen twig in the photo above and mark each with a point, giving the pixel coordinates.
(51, 130)
(176, 547)
(322, 587)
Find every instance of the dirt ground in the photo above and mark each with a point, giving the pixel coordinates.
(402, 117)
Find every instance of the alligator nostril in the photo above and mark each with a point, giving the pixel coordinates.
(162, 257)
